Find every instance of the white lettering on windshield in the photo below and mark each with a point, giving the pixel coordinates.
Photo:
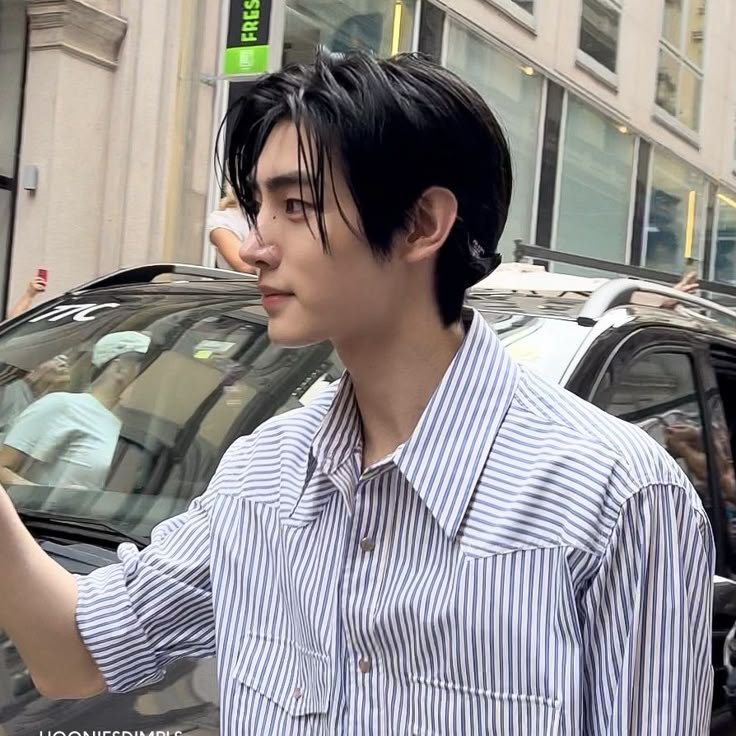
(80, 312)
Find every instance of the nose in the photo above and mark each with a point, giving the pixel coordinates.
(257, 252)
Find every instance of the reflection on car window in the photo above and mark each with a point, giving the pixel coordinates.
(68, 438)
(723, 439)
(125, 417)
(546, 345)
(657, 392)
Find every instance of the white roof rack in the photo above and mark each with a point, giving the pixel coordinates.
(529, 277)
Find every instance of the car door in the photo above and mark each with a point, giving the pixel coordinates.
(660, 380)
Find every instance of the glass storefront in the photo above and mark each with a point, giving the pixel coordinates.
(382, 26)
(592, 207)
(514, 92)
(677, 209)
(724, 267)
(594, 200)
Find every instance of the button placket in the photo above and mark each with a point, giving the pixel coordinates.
(366, 531)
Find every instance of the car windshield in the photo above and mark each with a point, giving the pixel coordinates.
(118, 409)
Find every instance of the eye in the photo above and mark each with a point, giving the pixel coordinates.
(296, 207)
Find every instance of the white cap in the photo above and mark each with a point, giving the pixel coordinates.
(117, 343)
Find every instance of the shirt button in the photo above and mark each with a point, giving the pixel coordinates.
(367, 544)
(297, 694)
(365, 665)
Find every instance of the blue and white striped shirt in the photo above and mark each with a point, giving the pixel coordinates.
(523, 565)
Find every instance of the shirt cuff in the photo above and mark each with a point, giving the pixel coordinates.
(112, 632)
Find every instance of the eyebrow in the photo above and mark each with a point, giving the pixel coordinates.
(282, 181)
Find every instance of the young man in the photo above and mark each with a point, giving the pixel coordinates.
(443, 543)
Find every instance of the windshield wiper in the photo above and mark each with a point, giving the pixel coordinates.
(83, 524)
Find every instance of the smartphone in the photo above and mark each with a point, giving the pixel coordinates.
(43, 274)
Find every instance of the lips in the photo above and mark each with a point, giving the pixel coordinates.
(268, 291)
(273, 299)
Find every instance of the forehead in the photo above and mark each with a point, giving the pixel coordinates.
(280, 152)
(279, 164)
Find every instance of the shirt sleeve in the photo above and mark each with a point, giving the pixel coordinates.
(231, 219)
(42, 429)
(647, 620)
(155, 605)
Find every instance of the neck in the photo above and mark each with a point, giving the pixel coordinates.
(395, 375)
(106, 394)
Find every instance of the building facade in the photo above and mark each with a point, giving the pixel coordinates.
(621, 116)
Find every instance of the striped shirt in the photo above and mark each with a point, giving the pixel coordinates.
(524, 564)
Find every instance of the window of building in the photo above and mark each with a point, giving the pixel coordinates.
(657, 392)
(594, 200)
(431, 31)
(677, 212)
(599, 28)
(385, 27)
(724, 266)
(526, 5)
(681, 54)
(520, 10)
(513, 90)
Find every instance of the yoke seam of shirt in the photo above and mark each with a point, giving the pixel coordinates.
(473, 558)
(644, 488)
(623, 467)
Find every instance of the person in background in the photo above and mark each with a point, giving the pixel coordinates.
(52, 375)
(68, 439)
(227, 229)
(35, 287)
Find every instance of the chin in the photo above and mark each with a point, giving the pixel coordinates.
(291, 336)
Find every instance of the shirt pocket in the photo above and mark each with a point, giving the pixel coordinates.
(297, 680)
(444, 708)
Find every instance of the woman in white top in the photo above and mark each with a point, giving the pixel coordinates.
(227, 229)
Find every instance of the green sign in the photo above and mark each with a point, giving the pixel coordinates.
(247, 37)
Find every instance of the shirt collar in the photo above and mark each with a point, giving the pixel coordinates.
(447, 452)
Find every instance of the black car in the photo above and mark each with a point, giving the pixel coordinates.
(210, 375)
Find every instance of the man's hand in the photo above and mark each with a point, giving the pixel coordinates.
(38, 600)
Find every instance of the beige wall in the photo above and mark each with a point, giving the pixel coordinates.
(71, 51)
(118, 119)
(552, 45)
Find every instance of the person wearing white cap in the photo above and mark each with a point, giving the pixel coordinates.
(69, 439)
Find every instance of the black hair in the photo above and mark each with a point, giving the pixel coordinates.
(397, 126)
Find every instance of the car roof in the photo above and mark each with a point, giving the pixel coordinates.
(515, 288)
(522, 288)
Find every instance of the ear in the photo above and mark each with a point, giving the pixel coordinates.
(434, 215)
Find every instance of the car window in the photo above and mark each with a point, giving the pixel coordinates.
(123, 416)
(657, 392)
(723, 418)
